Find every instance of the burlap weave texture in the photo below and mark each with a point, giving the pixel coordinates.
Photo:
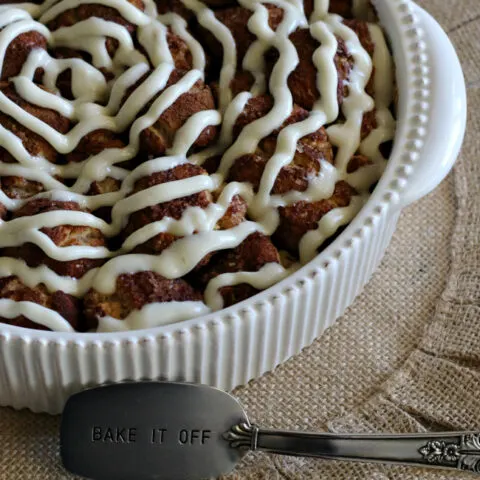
(406, 355)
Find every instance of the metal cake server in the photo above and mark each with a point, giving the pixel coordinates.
(164, 430)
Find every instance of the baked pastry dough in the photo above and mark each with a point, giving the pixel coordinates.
(163, 159)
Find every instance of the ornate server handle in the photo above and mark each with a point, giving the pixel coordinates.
(445, 450)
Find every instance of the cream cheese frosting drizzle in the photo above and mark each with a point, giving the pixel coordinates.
(154, 315)
(39, 314)
(263, 278)
(143, 73)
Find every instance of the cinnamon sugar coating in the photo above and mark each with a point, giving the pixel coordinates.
(94, 143)
(305, 164)
(363, 33)
(181, 54)
(235, 214)
(36, 145)
(236, 20)
(85, 11)
(18, 51)
(172, 209)
(62, 236)
(175, 6)
(67, 306)
(296, 175)
(258, 106)
(303, 80)
(357, 162)
(107, 185)
(340, 7)
(176, 208)
(369, 123)
(19, 187)
(251, 255)
(156, 139)
(297, 219)
(133, 291)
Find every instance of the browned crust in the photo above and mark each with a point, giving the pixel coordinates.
(66, 305)
(258, 106)
(297, 219)
(343, 8)
(305, 165)
(357, 162)
(175, 6)
(133, 291)
(35, 256)
(18, 50)
(33, 143)
(360, 27)
(234, 215)
(250, 256)
(241, 82)
(180, 52)
(179, 172)
(94, 143)
(156, 139)
(236, 18)
(107, 185)
(173, 209)
(47, 115)
(219, 3)
(19, 187)
(72, 16)
(303, 80)
(363, 33)
(42, 205)
(340, 7)
(181, 55)
(369, 123)
(64, 80)
(62, 236)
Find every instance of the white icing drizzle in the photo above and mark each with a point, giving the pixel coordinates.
(32, 277)
(37, 313)
(177, 260)
(191, 129)
(179, 27)
(267, 276)
(327, 226)
(384, 84)
(99, 104)
(154, 315)
(14, 23)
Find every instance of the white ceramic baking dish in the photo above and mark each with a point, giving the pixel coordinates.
(39, 370)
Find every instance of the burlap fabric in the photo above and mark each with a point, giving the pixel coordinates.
(406, 355)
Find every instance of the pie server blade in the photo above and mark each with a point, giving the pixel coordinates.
(165, 430)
